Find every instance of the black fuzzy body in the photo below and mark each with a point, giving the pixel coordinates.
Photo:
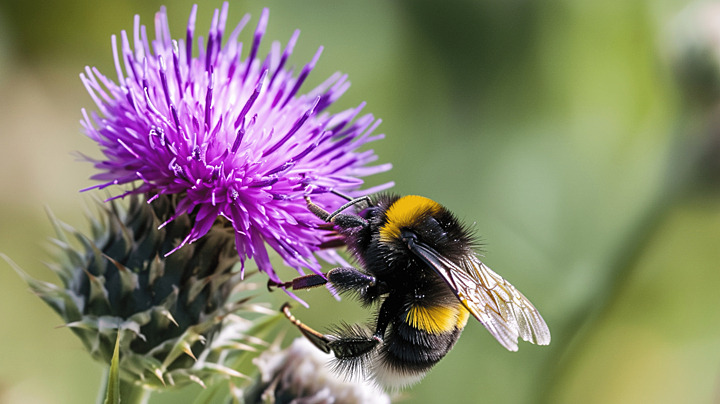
(405, 283)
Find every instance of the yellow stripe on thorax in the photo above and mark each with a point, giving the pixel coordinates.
(436, 319)
(405, 212)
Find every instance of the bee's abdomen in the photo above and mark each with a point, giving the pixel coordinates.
(419, 338)
(413, 348)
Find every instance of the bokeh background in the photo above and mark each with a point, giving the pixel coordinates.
(580, 137)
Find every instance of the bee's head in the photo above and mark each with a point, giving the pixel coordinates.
(427, 222)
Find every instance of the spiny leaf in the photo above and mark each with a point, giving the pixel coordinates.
(56, 224)
(61, 300)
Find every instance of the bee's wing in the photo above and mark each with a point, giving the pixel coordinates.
(501, 308)
(504, 311)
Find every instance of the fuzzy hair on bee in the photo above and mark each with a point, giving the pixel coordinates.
(420, 272)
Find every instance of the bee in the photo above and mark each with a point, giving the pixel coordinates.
(420, 267)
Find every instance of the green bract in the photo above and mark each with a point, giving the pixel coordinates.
(176, 314)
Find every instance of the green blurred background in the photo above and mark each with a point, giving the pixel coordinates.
(556, 126)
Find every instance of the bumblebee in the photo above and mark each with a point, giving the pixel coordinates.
(419, 266)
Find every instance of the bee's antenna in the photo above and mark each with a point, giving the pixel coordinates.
(353, 201)
(349, 198)
(328, 217)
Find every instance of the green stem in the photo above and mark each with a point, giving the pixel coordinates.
(131, 393)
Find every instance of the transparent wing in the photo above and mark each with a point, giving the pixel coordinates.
(502, 309)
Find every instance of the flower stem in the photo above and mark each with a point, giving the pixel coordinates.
(130, 393)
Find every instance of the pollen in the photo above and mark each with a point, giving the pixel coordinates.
(405, 212)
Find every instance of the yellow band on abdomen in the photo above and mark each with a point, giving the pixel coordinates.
(437, 319)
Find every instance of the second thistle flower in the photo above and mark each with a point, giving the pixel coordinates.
(229, 135)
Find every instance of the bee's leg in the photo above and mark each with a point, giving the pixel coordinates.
(346, 347)
(342, 278)
(319, 340)
(337, 217)
(389, 308)
(301, 282)
(349, 278)
(351, 347)
(355, 343)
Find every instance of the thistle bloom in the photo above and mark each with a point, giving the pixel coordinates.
(229, 136)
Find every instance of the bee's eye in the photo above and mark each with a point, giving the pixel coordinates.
(370, 213)
(432, 224)
(431, 229)
(406, 235)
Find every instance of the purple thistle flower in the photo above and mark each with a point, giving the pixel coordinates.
(232, 136)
